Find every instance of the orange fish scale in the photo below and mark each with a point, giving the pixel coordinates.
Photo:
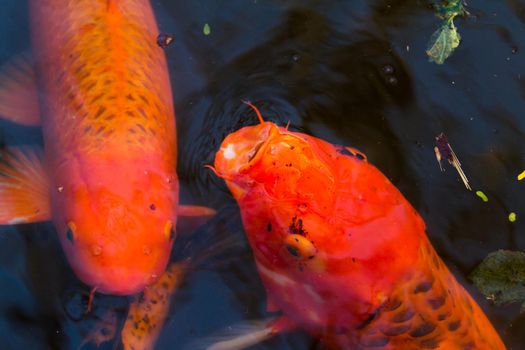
(429, 310)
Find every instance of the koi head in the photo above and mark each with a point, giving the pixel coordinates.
(323, 223)
(117, 229)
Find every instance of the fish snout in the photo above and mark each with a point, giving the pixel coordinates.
(124, 281)
(120, 269)
(243, 148)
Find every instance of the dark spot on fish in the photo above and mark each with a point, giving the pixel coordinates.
(143, 98)
(436, 303)
(269, 227)
(97, 97)
(391, 304)
(141, 127)
(296, 227)
(395, 331)
(442, 317)
(142, 112)
(152, 206)
(164, 39)
(369, 319)
(292, 250)
(452, 326)
(353, 260)
(403, 316)
(375, 342)
(100, 110)
(292, 147)
(69, 235)
(432, 343)
(145, 319)
(423, 329)
(311, 257)
(423, 287)
(164, 285)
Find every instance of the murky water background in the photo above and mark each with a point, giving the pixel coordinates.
(350, 72)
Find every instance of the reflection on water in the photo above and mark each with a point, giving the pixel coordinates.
(353, 73)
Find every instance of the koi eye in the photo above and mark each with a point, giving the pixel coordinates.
(70, 232)
(69, 235)
(299, 246)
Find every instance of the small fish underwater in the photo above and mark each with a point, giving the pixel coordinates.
(341, 252)
(98, 84)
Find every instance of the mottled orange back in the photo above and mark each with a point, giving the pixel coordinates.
(104, 79)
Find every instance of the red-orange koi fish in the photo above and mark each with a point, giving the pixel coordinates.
(341, 252)
(101, 91)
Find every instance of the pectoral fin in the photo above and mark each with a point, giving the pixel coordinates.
(18, 92)
(245, 334)
(191, 217)
(24, 188)
(196, 211)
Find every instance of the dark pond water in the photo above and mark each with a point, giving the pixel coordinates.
(350, 72)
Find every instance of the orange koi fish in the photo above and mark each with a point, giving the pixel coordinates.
(341, 252)
(148, 313)
(99, 86)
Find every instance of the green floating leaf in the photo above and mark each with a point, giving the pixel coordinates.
(206, 30)
(482, 195)
(501, 277)
(443, 42)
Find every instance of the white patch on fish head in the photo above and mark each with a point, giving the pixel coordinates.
(229, 151)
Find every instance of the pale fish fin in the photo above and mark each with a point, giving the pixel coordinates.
(195, 210)
(24, 188)
(18, 92)
(191, 217)
(148, 311)
(244, 334)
